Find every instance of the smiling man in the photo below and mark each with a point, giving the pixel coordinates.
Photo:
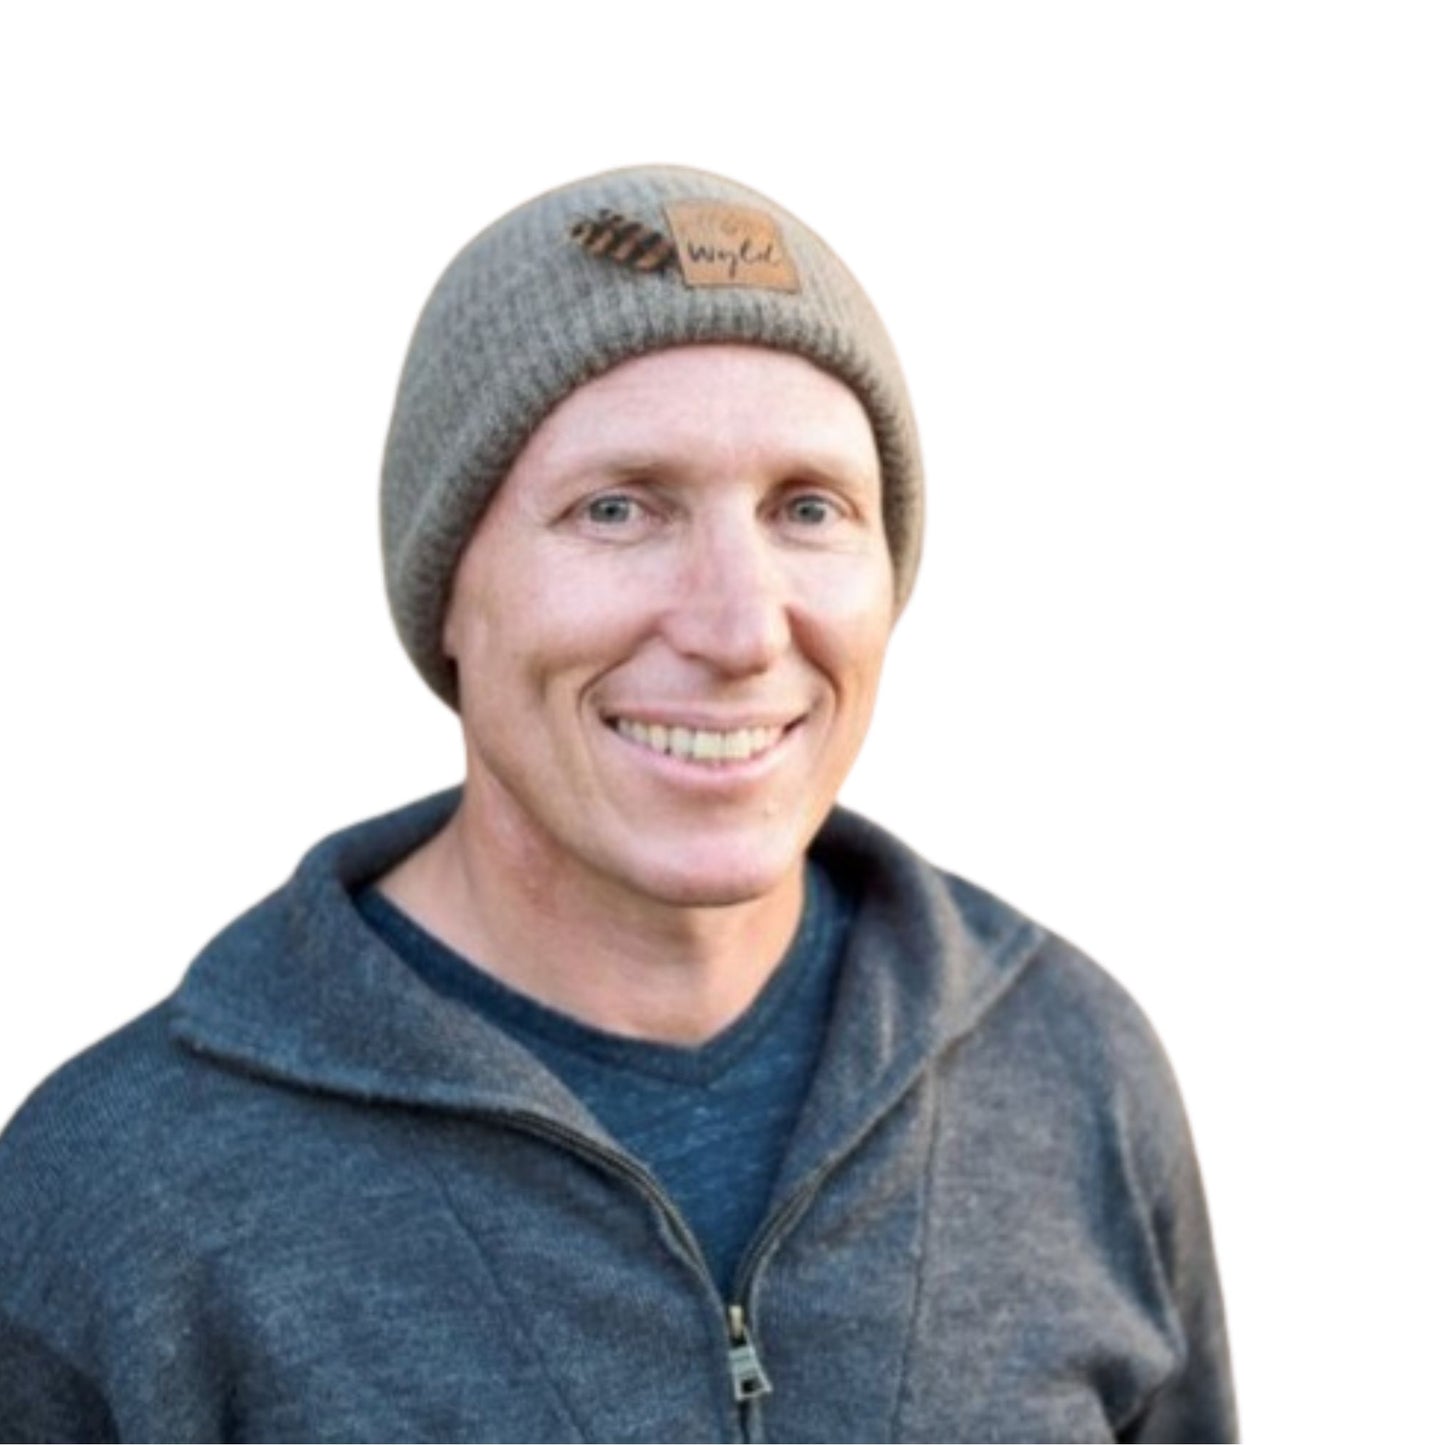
(667, 632)
(632, 1091)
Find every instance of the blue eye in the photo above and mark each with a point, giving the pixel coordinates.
(811, 510)
(612, 510)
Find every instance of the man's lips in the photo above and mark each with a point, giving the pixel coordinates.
(713, 742)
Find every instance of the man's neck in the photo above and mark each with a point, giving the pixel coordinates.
(579, 944)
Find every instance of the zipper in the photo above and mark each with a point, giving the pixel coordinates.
(750, 1380)
(617, 1163)
(745, 1366)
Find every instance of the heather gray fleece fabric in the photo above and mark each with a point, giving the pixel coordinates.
(310, 1198)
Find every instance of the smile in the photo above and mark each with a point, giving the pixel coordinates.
(699, 745)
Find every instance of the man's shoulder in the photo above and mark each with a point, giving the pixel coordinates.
(132, 1115)
(1025, 994)
(143, 1100)
(94, 1126)
(987, 945)
(1070, 1021)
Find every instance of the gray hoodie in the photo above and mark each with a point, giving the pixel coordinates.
(310, 1198)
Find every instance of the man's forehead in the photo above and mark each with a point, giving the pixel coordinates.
(701, 406)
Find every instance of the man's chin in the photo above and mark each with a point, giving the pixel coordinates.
(720, 882)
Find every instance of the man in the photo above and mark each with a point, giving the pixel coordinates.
(634, 1091)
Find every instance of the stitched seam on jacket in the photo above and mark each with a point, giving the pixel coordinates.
(1143, 1208)
(925, 1237)
(553, 1388)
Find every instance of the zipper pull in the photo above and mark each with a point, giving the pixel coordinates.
(750, 1381)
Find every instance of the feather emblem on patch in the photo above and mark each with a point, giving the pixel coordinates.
(629, 243)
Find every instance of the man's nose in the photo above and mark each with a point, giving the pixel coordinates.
(730, 605)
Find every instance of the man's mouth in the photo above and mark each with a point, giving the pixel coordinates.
(699, 745)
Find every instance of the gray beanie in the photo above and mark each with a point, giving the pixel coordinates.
(574, 282)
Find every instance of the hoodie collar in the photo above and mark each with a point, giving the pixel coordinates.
(302, 991)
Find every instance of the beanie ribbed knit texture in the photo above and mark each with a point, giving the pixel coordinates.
(525, 315)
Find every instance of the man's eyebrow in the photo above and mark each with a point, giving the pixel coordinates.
(806, 465)
(632, 462)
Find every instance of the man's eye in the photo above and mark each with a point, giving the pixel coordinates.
(612, 511)
(811, 510)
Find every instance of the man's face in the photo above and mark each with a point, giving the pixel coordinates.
(670, 623)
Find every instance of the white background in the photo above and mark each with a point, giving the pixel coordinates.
(1167, 281)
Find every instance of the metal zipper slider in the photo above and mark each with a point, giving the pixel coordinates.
(750, 1380)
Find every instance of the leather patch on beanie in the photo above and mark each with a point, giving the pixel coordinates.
(720, 244)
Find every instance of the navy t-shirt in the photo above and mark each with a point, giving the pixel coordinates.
(712, 1121)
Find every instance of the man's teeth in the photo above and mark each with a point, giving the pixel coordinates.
(697, 744)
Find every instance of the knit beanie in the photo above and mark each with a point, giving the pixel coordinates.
(574, 282)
